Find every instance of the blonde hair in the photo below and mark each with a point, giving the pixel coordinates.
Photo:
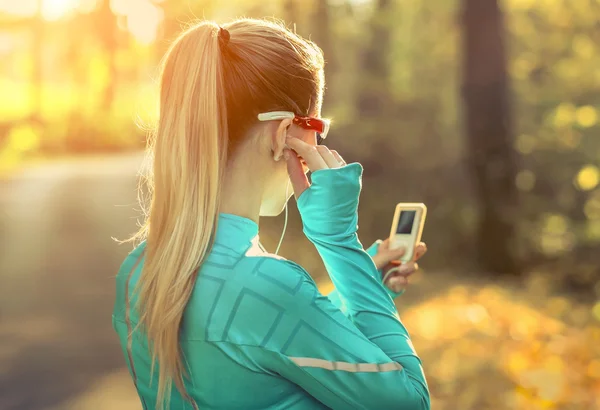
(212, 88)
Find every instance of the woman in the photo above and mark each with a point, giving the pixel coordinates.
(239, 108)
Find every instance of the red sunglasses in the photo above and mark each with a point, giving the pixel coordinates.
(319, 125)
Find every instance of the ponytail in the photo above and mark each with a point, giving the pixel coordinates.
(267, 68)
(189, 157)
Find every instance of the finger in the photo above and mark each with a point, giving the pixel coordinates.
(390, 276)
(393, 282)
(387, 267)
(404, 271)
(389, 271)
(338, 157)
(296, 172)
(327, 156)
(408, 268)
(397, 283)
(308, 152)
(420, 250)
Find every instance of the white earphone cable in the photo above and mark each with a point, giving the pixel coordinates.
(287, 188)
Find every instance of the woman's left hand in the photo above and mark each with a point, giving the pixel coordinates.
(386, 259)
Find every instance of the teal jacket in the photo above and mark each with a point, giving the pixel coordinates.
(258, 334)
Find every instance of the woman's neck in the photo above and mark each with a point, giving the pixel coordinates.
(242, 190)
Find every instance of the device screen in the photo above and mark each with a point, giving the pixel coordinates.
(406, 222)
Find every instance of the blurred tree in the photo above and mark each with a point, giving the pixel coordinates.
(322, 28)
(392, 96)
(490, 139)
(373, 94)
(106, 25)
(78, 66)
(38, 63)
(177, 14)
(290, 12)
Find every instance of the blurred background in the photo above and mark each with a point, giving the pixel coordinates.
(486, 110)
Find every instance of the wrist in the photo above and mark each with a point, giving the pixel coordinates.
(329, 207)
(372, 251)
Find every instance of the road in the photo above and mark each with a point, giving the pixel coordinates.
(57, 263)
(58, 350)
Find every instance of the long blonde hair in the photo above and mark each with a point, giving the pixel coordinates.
(213, 85)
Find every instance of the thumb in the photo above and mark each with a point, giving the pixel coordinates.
(386, 256)
(396, 253)
(296, 172)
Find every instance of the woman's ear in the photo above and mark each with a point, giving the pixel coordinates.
(279, 138)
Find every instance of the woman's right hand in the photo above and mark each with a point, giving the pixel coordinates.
(316, 158)
(328, 205)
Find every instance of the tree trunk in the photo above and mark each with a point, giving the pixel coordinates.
(373, 94)
(489, 134)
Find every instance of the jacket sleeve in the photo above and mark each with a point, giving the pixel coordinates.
(366, 361)
(362, 359)
(329, 210)
(335, 297)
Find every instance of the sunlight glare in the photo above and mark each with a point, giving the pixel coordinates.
(143, 23)
(55, 9)
(51, 10)
(588, 177)
(87, 6)
(18, 8)
(143, 18)
(122, 7)
(6, 43)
